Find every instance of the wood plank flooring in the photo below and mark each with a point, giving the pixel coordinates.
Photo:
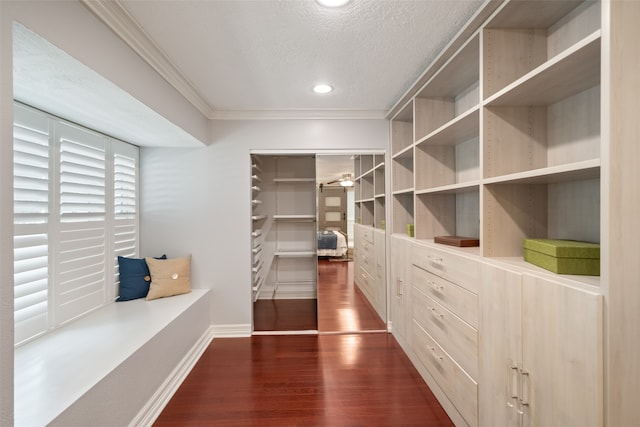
(285, 315)
(341, 305)
(304, 380)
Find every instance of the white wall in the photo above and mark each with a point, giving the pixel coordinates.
(198, 200)
(72, 28)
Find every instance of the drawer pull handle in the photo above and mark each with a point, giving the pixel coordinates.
(434, 258)
(436, 287)
(433, 350)
(435, 313)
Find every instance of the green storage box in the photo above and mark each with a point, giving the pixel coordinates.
(410, 230)
(563, 256)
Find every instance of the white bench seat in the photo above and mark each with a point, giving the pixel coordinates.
(107, 367)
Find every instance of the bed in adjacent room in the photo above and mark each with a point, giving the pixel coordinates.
(332, 243)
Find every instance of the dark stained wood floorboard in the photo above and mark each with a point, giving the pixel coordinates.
(341, 305)
(285, 315)
(304, 380)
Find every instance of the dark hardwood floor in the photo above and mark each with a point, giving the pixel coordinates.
(337, 378)
(341, 305)
(304, 380)
(285, 315)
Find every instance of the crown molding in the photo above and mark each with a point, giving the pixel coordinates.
(298, 114)
(116, 17)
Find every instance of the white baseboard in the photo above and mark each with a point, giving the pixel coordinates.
(151, 411)
(232, 331)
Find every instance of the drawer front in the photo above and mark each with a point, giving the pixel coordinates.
(367, 256)
(367, 284)
(453, 334)
(456, 298)
(459, 269)
(367, 234)
(461, 390)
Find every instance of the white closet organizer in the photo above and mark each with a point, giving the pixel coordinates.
(501, 140)
(289, 267)
(259, 229)
(369, 231)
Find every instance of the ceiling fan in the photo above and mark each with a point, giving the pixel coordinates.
(346, 180)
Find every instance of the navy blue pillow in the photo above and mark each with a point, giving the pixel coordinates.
(134, 278)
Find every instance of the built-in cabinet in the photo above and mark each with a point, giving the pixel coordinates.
(284, 258)
(502, 141)
(369, 246)
(369, 269)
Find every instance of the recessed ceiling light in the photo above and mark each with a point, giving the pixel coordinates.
(322, 88)
(333, 3)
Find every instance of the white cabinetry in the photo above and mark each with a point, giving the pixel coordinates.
(369, 270)
(505, 137)
(400, 289)
(541, 351)
(284, 265)
(369, 239)
(445, 323)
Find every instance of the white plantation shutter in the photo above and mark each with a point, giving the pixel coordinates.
(80, 252)
(125, 209)
(31, 223)
(75, 211)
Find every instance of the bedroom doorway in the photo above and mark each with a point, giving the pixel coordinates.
(342, 306)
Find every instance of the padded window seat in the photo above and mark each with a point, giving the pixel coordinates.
(116, 366)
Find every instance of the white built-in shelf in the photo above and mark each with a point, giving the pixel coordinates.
(295, 254)
(256, 233)
(257, 268)
(256, 168)
(255, 188)
(463, 187)
(293, 180)
(257, 250)
(256, 178)
(256, 202)
(294, 217)
(568, 73)
(587, 169)
(460, 129)
(403, 191)
(404, 153)
(258, 217)
(378, 196)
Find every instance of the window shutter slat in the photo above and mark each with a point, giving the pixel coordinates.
(31, 215)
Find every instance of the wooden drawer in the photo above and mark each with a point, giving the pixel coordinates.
(459, 387)
(367, 234)
(456, 298)
(452, 333)
(459, 269)
(367, 284)
(367, 256)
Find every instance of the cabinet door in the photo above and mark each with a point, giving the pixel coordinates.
(400, 287)
(380, 272)
(562, 354)
(500, 349)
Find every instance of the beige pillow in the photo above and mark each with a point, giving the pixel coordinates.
(169, 277)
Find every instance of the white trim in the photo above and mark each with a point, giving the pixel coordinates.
(302, 332)
(153, 408)
(242, 330)
(116, 17)
(298, 114)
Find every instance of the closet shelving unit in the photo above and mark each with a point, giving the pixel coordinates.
(289, 267)
(369, 232)
(369, 190)
(501, 141)
(259, 223)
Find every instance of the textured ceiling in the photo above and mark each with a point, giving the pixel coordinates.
(267, 54)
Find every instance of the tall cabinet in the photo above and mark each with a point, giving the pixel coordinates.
(506, 137)
(284, 262)
(369, 231)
